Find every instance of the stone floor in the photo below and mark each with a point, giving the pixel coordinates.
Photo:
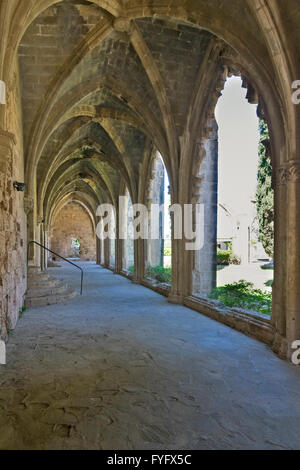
(120, 368)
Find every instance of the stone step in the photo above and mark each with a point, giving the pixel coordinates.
(38, 284)
(50, 299)
(34, 269)
(43, 289)
(38, 276)
(46, 291)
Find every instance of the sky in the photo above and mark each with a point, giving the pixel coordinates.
(238, 147)
(238, 151)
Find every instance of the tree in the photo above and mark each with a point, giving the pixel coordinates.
(265, 192)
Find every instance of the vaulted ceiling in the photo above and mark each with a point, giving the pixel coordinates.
(104, 83)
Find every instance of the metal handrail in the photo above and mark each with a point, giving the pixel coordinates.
(56, 254)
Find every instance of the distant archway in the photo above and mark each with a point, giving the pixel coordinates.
(72, 222)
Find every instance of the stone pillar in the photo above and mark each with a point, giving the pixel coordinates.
(139, 260)
(106, 252)
(290, 176)
(46, 243)
(280, 286)
(28, 209)
(176, 296)
(118, 245)
(43, 254)
(205, 261)
(98, 250)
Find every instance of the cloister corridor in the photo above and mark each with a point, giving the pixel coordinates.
(121, 368)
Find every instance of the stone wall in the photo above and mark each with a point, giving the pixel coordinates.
(72, 221)
(12, 218)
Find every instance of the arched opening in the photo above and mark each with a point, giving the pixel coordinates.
(72, 233)
(245, 215)
(159, 246)
(127, 229)
(235, 264)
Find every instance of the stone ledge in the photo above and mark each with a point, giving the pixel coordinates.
(160, 288)
(127, 274)
(252, 324)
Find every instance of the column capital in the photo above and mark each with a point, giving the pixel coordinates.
(289, 172)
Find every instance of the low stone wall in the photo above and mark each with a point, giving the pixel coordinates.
(252, 324)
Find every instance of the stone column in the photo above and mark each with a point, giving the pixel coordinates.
(118, 245)
(98, 250)
(46, 243)
(280, 286)
(106, 253)
(205, 262)
(176, 296)
(28, 209)
(139, 260)
(290, 175)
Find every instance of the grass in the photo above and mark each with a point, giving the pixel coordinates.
(242, 294)
(22, 310)
(159, 273)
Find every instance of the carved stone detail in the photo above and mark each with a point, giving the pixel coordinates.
(289, 173)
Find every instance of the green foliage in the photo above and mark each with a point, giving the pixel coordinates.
(131, 269)
(167, 252)
(223, 257)
(159, 273)
(226, 257)
(265, 193)
(22, 310)
(242, 294)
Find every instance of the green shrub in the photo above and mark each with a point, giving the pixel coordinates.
(159, 273)
(131, 269)
(223, 257)
(242, 294)
(226, 257)
(265, 192)
(22, 310)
